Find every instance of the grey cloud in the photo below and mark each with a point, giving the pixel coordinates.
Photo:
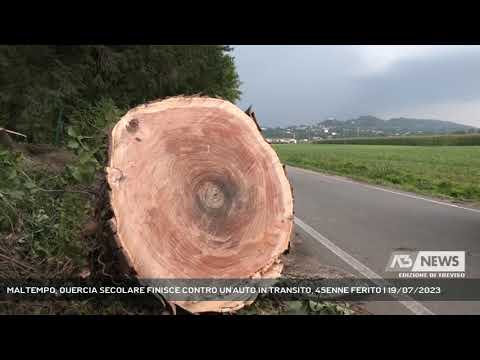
(414, 82)
(303, 84)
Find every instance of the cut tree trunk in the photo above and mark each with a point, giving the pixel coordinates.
(197, 193)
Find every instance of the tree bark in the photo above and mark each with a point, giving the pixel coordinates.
(197, 193)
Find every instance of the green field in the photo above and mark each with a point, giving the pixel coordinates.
(450, 171)
(426, 140)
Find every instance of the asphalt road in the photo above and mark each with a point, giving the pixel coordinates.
(355, 227)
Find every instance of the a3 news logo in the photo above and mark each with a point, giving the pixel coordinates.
(427, 261)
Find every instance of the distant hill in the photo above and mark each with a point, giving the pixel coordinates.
(426, 125)
(366, 122)
(398, 124)
(368, 126)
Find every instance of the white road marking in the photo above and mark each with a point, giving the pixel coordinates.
(332, 177)
(412, 305)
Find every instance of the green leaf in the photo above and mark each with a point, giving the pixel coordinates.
(89, 170)
(16, 194)
(316, 306)
(295, 307)
(84, 157)
(12, 174)
(71, 132)
(76, 174)
(72, 144)
(30, 185)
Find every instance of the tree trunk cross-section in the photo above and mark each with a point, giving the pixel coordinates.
(197, 193)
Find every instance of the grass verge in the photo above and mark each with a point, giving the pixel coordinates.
(451, 172)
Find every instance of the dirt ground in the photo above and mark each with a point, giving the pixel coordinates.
(299, 263)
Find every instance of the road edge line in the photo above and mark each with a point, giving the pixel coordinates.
(337, 178)
(412, 305)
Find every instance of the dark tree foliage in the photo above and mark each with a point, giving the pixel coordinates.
(38, 83)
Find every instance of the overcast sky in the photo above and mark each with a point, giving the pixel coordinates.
(290, 85)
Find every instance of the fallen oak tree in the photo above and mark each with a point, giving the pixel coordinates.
(197, 193)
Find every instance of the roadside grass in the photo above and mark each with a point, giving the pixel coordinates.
(451, 172)
(44, 220)
(270, 306)
(47, 204)
(41, 220)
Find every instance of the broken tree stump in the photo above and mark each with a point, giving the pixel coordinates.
(197, 193)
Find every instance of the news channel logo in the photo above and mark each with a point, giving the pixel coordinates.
(427, 264)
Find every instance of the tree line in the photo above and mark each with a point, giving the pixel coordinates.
(41, 86)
